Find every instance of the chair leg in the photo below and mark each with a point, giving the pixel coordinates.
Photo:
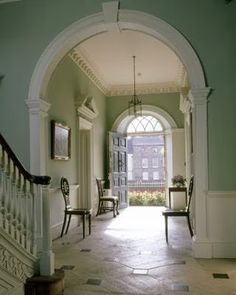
(189, 226)
(84, 222)
(63, 226)
(68, 224)
(117, 207)
(98, 211)
(166, 228)
(114, 208)
(89, 217)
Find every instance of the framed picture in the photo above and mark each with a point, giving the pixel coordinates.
(60, 141)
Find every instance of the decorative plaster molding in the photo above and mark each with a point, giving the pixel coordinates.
(36, 106)
(90, 72)
(14, 266)
(199, 96)
(82, 60)
(142, 89)
(185, 104)
(87, 108)
(182, 77)
(85, 124)
(110, 12)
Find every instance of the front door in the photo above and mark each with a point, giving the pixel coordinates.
(118, 167)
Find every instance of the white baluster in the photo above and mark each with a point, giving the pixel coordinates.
(33, 190)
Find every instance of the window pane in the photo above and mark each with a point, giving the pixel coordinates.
(145, 124)
(145, 163)
(145, 175)
(155, 162)
(156, 175)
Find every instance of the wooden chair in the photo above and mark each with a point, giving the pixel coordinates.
(84, 212)
(102, 202)
(175, 213)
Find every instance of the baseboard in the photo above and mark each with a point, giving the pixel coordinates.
(224, 250)
(202, 249)
(213, 249)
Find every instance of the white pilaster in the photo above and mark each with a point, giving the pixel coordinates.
(38, 119)
(201, 244)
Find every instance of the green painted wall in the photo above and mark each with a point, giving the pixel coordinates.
(169, 102)
(28, 26)
(65, 87)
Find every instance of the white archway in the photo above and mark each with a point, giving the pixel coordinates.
(148, 24)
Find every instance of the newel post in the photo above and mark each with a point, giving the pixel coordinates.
(46, 255)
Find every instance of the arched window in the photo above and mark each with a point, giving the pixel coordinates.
(144, 124)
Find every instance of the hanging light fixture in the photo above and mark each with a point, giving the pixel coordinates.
(135, 104)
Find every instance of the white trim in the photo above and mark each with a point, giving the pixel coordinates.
(110, 12)
(121, 123)
(38, 125)
(85, 124)
(223, 250)
(221, 194)
(139, 21)
(88, 109)
(95, 24)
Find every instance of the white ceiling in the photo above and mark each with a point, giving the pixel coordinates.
(107, 60)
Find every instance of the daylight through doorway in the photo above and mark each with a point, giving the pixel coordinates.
(146, 162)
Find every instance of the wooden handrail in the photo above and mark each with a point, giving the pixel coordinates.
(43, 180)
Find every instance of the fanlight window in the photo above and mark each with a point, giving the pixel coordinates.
(144, 124)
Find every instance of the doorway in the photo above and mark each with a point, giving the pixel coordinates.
(146, 163)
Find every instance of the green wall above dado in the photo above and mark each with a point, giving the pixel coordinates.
(169, 102)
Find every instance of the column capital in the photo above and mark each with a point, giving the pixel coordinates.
(185, 103)
(198, 96)
(38, 106)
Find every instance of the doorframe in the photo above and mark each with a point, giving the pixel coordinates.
(170, 129)
(128, 20)
(85, 163)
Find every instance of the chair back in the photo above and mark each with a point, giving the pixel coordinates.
(190, 192)
(65, 189)
(99, 182)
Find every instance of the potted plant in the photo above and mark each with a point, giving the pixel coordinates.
(178, 180)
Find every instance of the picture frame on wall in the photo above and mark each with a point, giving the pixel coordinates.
(60, 141)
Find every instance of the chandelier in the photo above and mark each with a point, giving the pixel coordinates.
(135, 104)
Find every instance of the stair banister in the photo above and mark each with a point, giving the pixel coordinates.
(23, 197)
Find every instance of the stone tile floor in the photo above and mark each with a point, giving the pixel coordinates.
(128, 255)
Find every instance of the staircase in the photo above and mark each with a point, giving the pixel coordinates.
(24, 235)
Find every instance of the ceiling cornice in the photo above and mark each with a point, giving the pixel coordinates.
(90, 72)
(80, 59)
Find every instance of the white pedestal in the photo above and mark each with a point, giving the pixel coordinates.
(107, 192)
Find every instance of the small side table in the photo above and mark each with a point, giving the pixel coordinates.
(178, 189)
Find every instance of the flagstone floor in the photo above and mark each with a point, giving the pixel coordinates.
(128, 255)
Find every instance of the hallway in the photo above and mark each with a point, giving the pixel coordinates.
(129, 255)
